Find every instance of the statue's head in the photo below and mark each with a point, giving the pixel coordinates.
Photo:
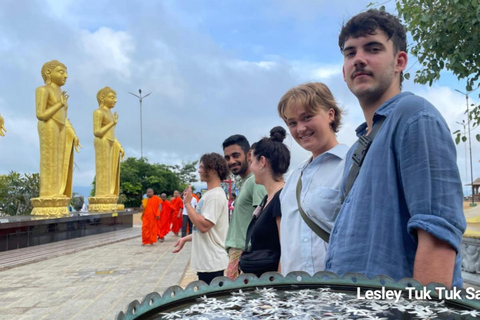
(78, 203)
(56, 69)
(107, 97)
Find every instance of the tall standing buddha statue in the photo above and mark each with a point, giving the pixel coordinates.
(57, 141)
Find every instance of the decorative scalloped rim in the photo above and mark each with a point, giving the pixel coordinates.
(199, 288)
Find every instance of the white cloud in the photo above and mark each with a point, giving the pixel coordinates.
(109, 50)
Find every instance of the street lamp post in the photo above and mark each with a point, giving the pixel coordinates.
(469, 144)
(140, 98)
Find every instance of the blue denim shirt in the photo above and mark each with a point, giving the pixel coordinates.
(409, 180)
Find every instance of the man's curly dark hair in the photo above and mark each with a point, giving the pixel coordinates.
(367, 23)
(214, 161)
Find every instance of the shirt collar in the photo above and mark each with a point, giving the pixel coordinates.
(247, 177)
(339, 151)
(383, 111)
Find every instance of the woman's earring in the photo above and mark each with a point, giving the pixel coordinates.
(262, 169)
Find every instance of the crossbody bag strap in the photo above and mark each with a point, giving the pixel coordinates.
(364, 143)
(324, 235)
(250, 226)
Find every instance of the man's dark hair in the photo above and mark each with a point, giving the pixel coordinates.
(237, 139)
(214, 161)
(367, 23)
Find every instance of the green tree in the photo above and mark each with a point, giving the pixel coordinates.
(16, 190)
(137, 175)
(186, 173)
(446, 35)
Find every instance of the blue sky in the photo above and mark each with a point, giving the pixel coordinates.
(214, 68)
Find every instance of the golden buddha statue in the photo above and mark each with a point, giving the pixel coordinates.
(108, 153)
(57, 141)
(2, 127)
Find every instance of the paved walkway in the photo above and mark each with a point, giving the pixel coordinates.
(93, 284)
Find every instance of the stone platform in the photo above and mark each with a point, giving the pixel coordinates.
(25, 231)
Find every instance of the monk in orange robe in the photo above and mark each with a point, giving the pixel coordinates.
(163, 224)
(177, 206)
(152, 206)
(196, 197)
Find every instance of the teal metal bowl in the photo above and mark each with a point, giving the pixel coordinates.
(328, 297)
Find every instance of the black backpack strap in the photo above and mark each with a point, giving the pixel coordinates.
(252, 223)
(364, 143)
(324, 235)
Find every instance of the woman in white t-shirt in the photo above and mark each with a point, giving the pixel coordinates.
(210, 221)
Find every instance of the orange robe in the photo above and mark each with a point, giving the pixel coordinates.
(163, 225)
(149, 219)
(176, 204)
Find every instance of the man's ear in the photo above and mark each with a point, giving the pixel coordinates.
(401, 61)
(249, 156)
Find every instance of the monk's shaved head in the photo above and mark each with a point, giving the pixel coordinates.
(150, 192)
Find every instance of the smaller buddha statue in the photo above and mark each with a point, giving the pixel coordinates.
(108, 153)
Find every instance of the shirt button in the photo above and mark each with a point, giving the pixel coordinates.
(305, 239)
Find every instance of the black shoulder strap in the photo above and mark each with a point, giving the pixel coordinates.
(364, 143)
(254, 219)
(324, 235)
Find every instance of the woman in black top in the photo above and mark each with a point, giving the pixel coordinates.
(269, 162)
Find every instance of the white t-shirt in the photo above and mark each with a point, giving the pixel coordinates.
(193, 203)
(208, 249)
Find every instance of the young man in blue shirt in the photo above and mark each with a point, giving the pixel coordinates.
(403, 216)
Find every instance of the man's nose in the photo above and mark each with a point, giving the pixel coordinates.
(360, 59)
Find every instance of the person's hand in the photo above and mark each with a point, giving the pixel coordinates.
(179, 245)
(187, 196)
(115, 118)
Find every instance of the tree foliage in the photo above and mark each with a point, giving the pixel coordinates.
(446, 35)
(186, 172)
(137, 175)
(16, 190)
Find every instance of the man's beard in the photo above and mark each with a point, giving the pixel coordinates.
(243, 168)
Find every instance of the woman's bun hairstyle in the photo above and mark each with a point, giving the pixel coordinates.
(278, 134)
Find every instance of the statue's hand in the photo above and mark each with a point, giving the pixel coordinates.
(115, 118)
(65, 97)
(77, 144)
(122, 153)
(2, 127)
